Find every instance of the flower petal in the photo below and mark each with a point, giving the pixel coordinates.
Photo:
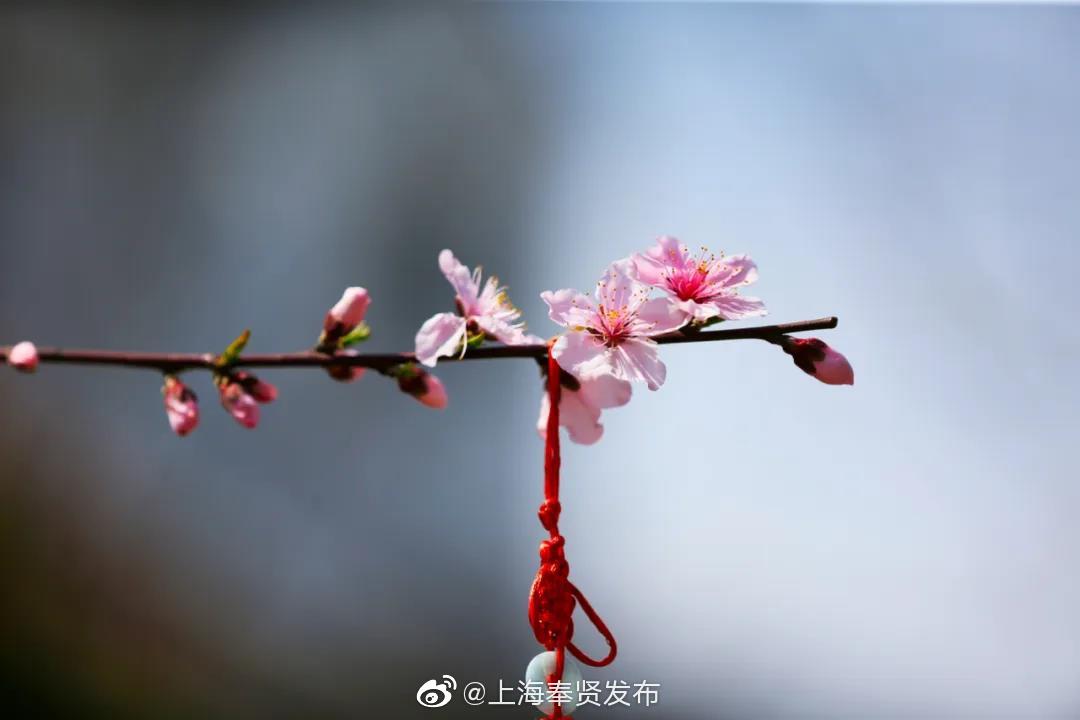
(659, 316)
(506, 332)
(667, 253)
(619, 289)
(464, 283)
(734, 307)
(580, 355)
(441, 336)
(735, 270)
(581, 421)
(566, 306)
(638, 361)
(605, 391)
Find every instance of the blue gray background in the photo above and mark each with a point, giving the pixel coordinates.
(764, 546)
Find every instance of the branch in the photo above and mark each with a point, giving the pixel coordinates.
(176, 362)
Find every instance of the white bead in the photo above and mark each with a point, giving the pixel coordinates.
(543, 665)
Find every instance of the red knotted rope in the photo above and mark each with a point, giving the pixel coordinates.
(553, 597)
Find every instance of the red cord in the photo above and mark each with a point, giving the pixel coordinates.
(553, 597)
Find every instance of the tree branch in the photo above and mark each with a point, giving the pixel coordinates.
(176, 362)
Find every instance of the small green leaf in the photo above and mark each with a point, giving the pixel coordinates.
(232, 352)
(358, 335)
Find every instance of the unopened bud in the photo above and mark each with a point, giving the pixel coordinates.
(239, 404)
(347, 313)
(260, 390)
(816, 358)
(345, 373)
(422, 385)
(23, 356)
(181, 406)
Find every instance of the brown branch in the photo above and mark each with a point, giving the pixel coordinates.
(175, 362)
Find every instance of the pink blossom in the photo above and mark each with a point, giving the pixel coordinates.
(816, 358)
(487, 312)
(181, 406)
(23, 356)
(705, 286)
(614, 334)
(239, 404)
(422, 385)
(347, 313)
(580, 406)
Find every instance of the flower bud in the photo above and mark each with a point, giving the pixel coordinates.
(816, 358)
(24, 357)
(345, 373)
(181, 406)
(259, 390)
(239, 404)
(434, 395)
(347, 313)
(422, 385)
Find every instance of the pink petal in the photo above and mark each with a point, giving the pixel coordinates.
(638, 361)
(605, 391)
(737, 270)
(618, 289)
(734, 307)
(567, 307)
(581, 421)
(465, 284)
(667, 253)
(659, 316)
(506, 332)
(23, 356)
(580, 354)
(441, 336)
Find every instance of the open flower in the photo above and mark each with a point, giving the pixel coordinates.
(23, 356)
(580, 404)
(705, 286)
(181, 406)
(486, 313)
(614, 334)
(815, 357)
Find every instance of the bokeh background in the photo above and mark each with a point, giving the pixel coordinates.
(764, 546)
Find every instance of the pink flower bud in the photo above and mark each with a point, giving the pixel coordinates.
(24, 356)
(816, 358)
(345, 373)
(347, 313)
(239, 404)
(181, 406)
(434, 396)
(422, 385)
(259, 390)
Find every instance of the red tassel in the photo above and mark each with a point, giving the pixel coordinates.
(553, 597)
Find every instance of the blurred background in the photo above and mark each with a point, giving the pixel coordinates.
(763, 546)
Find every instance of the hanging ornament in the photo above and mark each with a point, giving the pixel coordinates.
(553, 597)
